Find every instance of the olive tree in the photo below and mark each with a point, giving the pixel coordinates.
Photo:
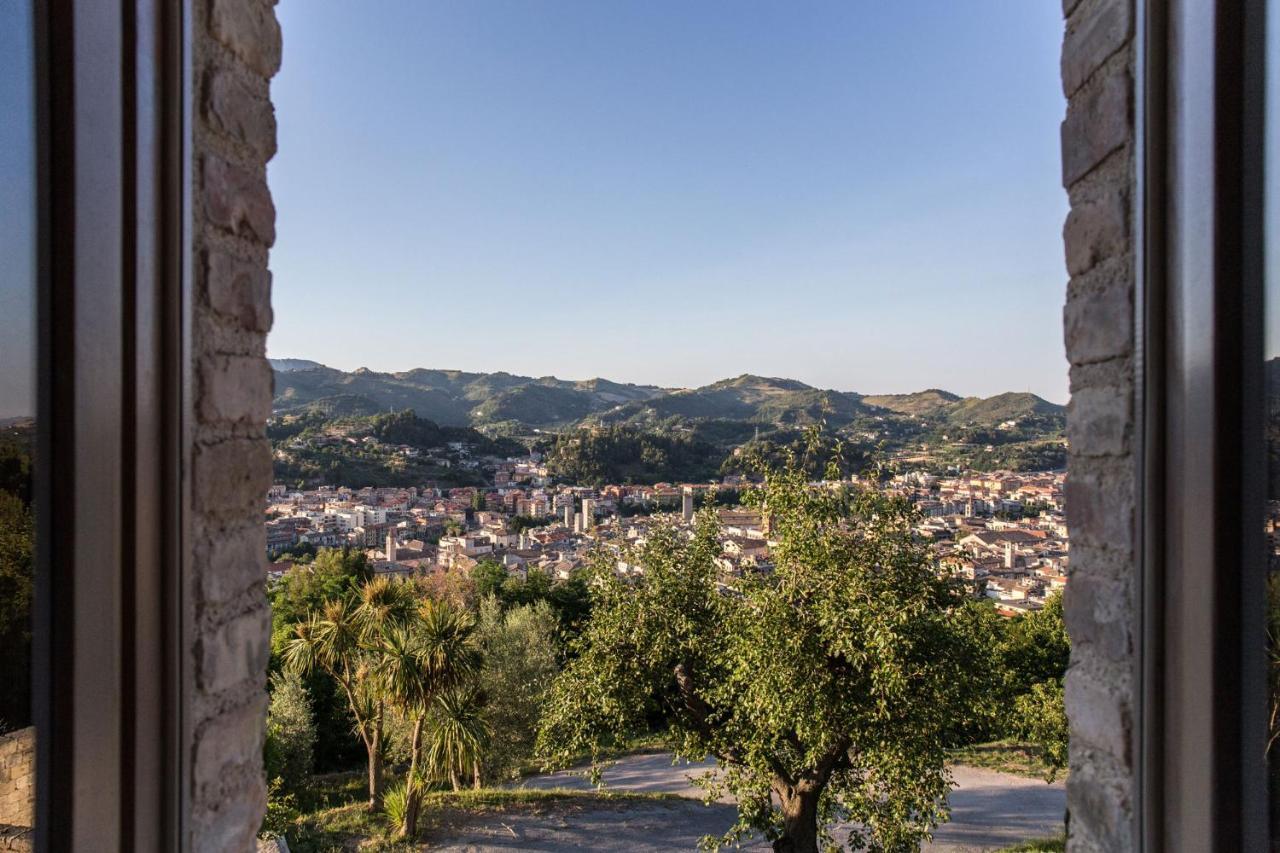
(825, 687)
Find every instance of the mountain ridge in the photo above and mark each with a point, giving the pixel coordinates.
(464, 398)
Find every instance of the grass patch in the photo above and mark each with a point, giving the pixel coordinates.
(1020, 759)
(1057, 844)
(338, 827)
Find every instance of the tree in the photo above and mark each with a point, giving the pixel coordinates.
(419, 662)
(488, 577)
(460, 734)
(291, 732)
(1035, 646)
(825, 688)
(1042, 719)
(344, 639)
(520, 652)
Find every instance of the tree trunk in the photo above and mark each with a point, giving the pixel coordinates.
(412, 796)
(799, 820)
(453, 778)
(375, 766)
(475, 770)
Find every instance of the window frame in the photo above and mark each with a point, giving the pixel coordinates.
(110, 615)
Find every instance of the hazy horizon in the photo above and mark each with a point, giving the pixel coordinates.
(857, 196)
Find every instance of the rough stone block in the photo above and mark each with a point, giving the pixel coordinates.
(230, 740)
(1093, 36)
(232, 107)
(1096, 230)
(236, 651)
(231, 478)
(1098, 122)
(248, 28)
(238, 200)
(233, 561)
(234, 389)
(231, 823)
(238, 290)
(1086, 601)
(1099, 420)
(1099, 322)
(1100, 509)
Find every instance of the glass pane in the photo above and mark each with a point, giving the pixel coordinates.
(17, 415)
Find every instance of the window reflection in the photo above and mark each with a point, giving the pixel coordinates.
(17, 421)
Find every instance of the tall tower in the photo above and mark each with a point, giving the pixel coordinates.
(686, 505)
(588, 514)
(391, 545)
(568, 516)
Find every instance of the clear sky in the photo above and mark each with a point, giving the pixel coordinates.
(860, 195)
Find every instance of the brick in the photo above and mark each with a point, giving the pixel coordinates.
(234, 389)
(1100, 509)
(1099, 419)
(1096, 230)
(230, 478)
(1098, 122)
(233, 108)
(239, 291)
(1098, 322)
(236, 651)
(238, 200)
(234, 560)
(1093, 36)
(249, 29)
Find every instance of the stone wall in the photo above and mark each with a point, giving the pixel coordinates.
(18, 778)
(236, 50)
(1099, 174)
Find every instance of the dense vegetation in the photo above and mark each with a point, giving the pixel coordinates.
(829, 689)
(17, 537)
(623, 455)
(312, 448)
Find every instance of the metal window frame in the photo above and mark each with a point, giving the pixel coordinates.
(113, 213)
(1201, 782)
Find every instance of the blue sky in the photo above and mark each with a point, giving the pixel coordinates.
(860, 195)
(17, 212)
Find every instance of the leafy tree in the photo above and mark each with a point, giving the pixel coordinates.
(520, 653)
(291, 732)
(1035, 647)
(1042, 719)
(828, 685)
(488, 577)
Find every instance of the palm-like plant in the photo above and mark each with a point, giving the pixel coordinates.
(345, 641)
(459, 735)
(418, 662)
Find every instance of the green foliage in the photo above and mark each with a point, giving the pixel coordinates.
(17, 538)
(520, 661)
(1042, 717)
(291, 732)
(488, 577)
(828, 686)
(395, 803)
(458, 733)
(1034, 647)
(282, 810)
(623, 455)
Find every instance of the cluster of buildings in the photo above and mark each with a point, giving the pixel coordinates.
(1003, 532)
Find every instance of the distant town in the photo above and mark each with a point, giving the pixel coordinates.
(1004, 532)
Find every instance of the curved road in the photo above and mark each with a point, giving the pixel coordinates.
(989, 809)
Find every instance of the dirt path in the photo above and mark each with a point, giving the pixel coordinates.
(989, 810)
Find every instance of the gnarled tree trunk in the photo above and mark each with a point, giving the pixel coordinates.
(799, 818)
(412, 796)
(374, 746)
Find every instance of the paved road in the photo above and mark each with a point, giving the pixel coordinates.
(988, 809)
